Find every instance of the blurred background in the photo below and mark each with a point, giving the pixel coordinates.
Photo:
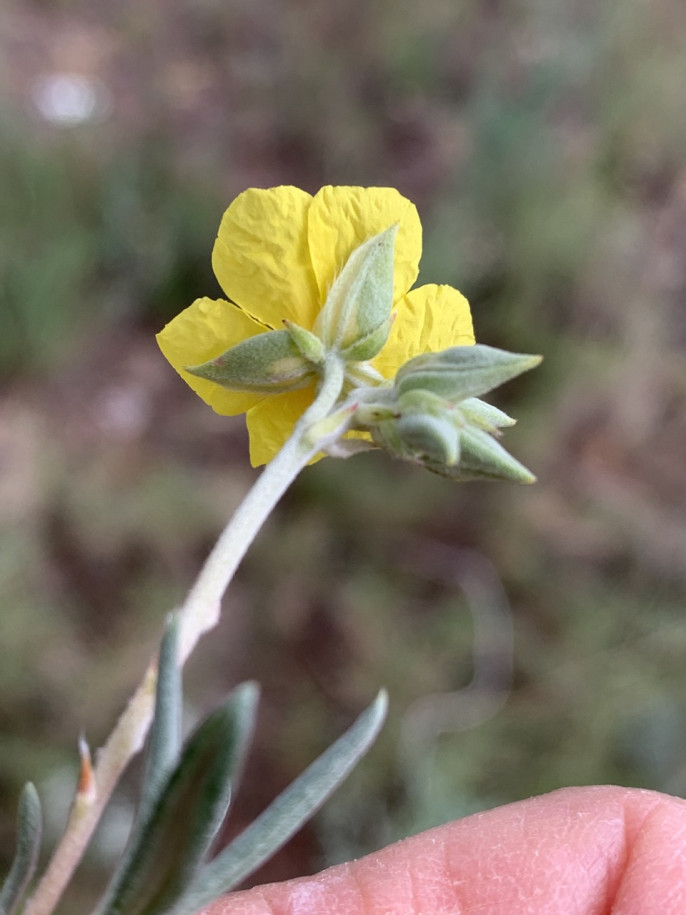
(530, 637)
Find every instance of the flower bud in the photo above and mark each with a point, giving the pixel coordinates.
(424, 427)
(268, 363)
(455, 441)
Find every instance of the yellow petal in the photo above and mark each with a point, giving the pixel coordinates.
(272, 421)
(341, 218)
(428, 319)
(261, 256)
(204, 330)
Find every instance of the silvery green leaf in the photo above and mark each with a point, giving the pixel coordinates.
(165, 733)
(297, 804)
(462, 371)
(29, 828)
(167, 849)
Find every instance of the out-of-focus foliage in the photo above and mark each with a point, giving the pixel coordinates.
(545, 145)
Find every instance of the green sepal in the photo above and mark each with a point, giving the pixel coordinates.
(29, 829)
(462, 371)
(167, 849)
(360, 300)
(268, 363)
(284, 816)
(367, 347)
(482, 458)
(309, 344)
(484, 415)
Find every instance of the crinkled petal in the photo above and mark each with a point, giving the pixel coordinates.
(428, 319)
(204, 330)
(272, 421)
(261, 256)
(340, 219)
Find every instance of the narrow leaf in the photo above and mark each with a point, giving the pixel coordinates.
(165, 733)
(297, 804)
(166, 850)
(29, 828)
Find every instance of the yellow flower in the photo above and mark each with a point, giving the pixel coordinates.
(276, 255)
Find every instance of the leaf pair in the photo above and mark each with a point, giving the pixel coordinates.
(185, 796)
(166, 869)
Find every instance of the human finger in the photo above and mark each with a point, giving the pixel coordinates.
(577, 851)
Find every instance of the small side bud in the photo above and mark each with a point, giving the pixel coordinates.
(268, 363)
(424, 427)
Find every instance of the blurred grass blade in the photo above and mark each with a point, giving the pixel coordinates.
(165, 733)
(297, 804)
(167, 848)
(29, 828)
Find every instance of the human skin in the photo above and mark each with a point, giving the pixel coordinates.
(577, 851)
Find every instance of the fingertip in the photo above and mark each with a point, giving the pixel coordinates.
(577, 851)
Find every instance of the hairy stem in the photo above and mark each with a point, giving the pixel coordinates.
(199, 613)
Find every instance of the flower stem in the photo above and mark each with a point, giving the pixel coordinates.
(202, 607)
(199, 613)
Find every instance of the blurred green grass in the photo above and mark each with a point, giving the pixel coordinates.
(545, 147)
